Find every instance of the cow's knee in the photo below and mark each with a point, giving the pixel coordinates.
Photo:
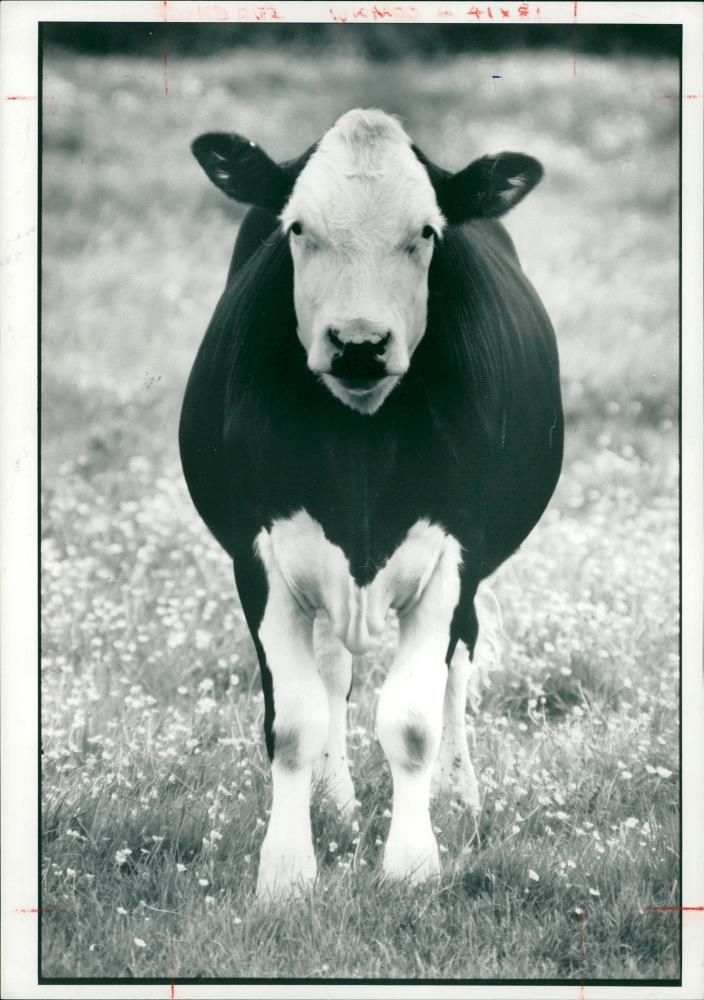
(301, 719)
(409, 723)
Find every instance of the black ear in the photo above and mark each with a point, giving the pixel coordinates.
(491, 186)
(485, 189)
(243, 171)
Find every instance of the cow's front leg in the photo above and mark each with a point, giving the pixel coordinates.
(334, 664)
(422, 582)
(287, 861)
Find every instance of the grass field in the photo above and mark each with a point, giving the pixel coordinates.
(155, 783)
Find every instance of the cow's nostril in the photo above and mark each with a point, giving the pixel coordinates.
(334, 338)
(380, 346)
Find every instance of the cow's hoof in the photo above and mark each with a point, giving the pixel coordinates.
(414, 860)
(284, 875)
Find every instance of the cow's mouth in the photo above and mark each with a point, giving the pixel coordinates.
(362, 394)
(359, 385)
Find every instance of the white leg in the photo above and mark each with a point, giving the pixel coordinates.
(422, 581)
(334, 664)
(454, 772)
(287, 861)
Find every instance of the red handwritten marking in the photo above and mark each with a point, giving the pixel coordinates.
(575, 15)
(268, 13)
(684, 97)
(377, 13)
(34, 909)
(679, 909)
(21, 97)
(173, 989)
(402, 12)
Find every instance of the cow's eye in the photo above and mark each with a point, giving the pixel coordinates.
(428, 232)
(296, 228)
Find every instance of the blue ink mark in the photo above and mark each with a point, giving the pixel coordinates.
(495, 77)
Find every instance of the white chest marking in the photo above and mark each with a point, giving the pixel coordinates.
(315, 616)
(318, 576)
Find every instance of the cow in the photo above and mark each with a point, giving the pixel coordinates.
(372, 425)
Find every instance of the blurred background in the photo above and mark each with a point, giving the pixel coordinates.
(149, 677)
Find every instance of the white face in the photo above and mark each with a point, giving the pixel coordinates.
(361, 222)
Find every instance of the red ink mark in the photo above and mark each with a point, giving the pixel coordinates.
(21, 97)
(378, 13)
(575, 14)
(523, 10)
(490, 13)
(267, 13)
(679, 909)
(504, 12)
(684, 97)
(173, 989)
(34, 909)
(474, 12)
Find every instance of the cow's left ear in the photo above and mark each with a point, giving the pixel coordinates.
(243, 171)
(485, 189)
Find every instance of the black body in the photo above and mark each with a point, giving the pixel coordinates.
(470, 439)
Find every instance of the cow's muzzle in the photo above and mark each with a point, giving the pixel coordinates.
(359, 361)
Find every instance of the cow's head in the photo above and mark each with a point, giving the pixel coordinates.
(362, 212)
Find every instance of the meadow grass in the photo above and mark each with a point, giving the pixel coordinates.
(155, 781)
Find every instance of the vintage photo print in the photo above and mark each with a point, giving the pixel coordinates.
(352, 499)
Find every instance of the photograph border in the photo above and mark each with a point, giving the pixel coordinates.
(20, 402)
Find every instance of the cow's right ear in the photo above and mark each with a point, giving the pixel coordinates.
(243, 171)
